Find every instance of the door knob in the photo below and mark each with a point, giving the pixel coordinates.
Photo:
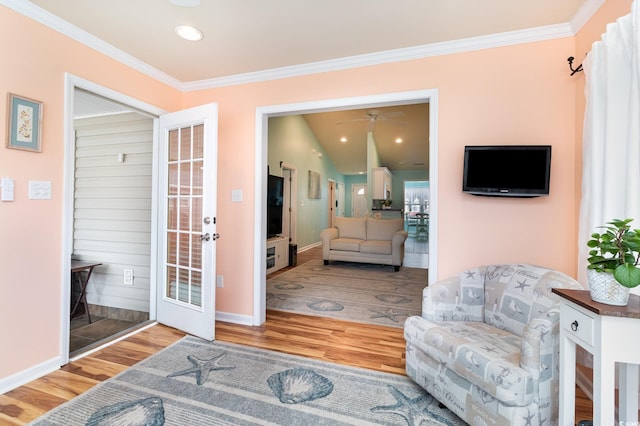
(207, 220)
(205, 237)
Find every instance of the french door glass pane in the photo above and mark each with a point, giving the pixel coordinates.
(184, 215)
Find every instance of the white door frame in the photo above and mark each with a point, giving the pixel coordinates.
(341, 197)
(292, 201)
(71, 83)
(261, 144)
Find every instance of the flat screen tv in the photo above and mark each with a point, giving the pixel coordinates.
(275, 197)
(507, 170)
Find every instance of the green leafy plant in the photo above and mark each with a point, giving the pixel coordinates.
(617, 250)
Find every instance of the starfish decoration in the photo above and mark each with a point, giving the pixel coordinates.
(389, 313)
(470, 274)
(522, 285)
(413, 410)
(202, 368)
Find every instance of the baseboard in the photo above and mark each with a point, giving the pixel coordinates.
(309, 247)
(234, 318)
(25, 376)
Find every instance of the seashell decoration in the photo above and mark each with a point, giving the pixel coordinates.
(148, 412)
(299, 385)
(392, 298)
(326, 306)
(289, 286)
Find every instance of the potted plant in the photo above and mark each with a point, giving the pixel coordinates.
(613, 262)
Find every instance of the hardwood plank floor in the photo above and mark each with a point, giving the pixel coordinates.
(355, 344)
(361, 345)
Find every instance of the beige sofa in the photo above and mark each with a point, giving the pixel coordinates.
(487, 344)
(365, 240)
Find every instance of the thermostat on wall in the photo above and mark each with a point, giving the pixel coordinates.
(39, 190)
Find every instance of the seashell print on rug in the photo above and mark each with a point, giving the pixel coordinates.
(195, 382)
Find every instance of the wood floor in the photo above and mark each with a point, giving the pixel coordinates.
(355, 344)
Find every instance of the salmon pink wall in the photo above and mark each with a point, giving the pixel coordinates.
(34, 62)
(510, 95)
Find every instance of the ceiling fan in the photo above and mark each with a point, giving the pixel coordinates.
(372, 116)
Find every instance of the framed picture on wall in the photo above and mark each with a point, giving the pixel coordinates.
(24, 123)
(314, 185)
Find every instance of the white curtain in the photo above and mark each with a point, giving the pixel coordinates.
(611, 147)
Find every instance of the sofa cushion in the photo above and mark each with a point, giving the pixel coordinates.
(376, 247)
(346, 244)
(484, 355)
(352, 227)
(383, 229)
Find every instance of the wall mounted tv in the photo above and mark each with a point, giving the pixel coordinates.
(275, 198)
(507, 170)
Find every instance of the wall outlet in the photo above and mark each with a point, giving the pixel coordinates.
(219, 281)
(128, 277)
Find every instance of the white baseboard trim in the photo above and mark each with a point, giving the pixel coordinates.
(234, 318)
(310, 246)
(30, 374)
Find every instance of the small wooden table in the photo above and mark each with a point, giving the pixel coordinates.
(78, 267)
(610, 333)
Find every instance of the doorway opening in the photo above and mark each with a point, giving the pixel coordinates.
(416, 222)
(109, 194)
(262, 131)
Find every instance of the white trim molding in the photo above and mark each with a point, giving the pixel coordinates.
(529, 35)
(25, 376)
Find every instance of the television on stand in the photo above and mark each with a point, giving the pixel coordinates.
(275, 203)
(507, 170)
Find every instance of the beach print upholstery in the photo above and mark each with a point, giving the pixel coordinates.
(487, 344)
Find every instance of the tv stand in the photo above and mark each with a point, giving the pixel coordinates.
(277, 253)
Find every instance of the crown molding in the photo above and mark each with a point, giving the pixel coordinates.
(531, 35)
(396, 55)
(50, 20)
(582, 16)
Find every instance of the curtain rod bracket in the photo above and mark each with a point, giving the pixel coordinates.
(573, 71)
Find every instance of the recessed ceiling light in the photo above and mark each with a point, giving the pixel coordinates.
(188, 32)
(398, 140)
(185, 3)
(343, 139)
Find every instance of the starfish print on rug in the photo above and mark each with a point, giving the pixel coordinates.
(202, 368)
(387, 313)
(413, 410)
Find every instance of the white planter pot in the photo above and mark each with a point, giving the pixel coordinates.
(605, 289)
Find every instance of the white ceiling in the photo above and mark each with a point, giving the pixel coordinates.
(407, 122)
(249, 40)
(248, 36)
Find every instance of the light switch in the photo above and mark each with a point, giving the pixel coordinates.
(7, 189)
(236, 195)
(39, 190)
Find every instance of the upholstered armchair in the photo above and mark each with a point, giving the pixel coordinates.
(487, 344)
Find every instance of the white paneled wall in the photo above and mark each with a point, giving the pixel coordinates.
(112, 211)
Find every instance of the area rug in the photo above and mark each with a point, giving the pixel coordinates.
(373, 294)
(195, 382)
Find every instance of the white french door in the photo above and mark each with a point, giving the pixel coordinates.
(187, 220)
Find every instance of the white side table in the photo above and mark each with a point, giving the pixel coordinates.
(611, 334)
